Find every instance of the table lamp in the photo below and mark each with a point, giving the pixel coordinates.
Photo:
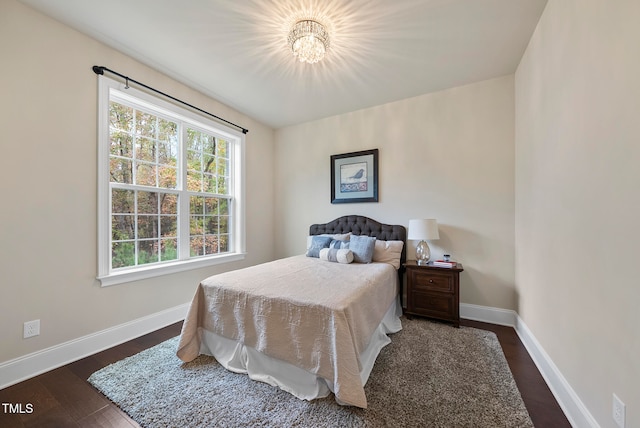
(423, 230)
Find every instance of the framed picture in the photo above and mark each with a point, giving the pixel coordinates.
(354, 177)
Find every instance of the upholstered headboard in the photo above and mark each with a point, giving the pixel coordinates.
(360, 225)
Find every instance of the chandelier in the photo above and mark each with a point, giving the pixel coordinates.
(309, 41)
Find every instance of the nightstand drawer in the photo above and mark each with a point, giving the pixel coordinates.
(436, 305)
(432, 281)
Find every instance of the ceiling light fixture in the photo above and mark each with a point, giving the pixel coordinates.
(309, 41)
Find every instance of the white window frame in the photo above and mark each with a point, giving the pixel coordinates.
(108, 276)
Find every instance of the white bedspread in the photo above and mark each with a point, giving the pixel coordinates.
(311, 313)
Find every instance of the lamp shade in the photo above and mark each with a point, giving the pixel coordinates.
(423, 229)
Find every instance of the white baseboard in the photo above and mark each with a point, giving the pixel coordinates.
(573, 408)
(28, 366)
(486, 314)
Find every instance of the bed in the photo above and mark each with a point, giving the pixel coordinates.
(309, 324)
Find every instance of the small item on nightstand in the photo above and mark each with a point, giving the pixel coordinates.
(443, 263)
(446, 258)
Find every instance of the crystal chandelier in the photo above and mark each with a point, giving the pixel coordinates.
(309, 41)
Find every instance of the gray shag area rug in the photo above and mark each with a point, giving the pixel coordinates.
(431, 375)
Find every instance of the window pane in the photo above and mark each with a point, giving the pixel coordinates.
(146, 149)
(168, 131)
(168, 153)
(168, 177)
(194, 181)
(196, 205)
(224, 224)
(224, 243)
(147, 227)
(121, 144)
(208, 144)
(121, 170)
(208, 163)
(148, 202)
(123, 254)
(194, 161)
(196, 246)
(146, 124)
(211, 244)
(122, 201)
(211, 225)
(210, 183)
(193, 140)
(169, 249)
(224, 206)
(169, 226)
(211, 205)
(120, 117)
(122, 227)
(168, 203)
(222, 186)
(196, 225)
(223, 147)
(147, 252)
(223, 168)
(145, 174)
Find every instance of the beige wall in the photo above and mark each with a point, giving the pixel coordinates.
(577, 197)
(447, 155)
(48, 177)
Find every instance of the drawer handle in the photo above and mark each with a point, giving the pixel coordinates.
(431, 281)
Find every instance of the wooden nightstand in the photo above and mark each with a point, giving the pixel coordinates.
(433, 292)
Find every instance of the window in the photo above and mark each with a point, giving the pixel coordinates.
(169, 187)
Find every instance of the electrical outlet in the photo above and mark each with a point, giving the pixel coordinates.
(31, 328)
(618, 411)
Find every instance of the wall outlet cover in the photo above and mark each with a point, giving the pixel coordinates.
(31, 328)
(618, 411)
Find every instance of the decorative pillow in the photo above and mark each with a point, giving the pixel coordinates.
(336, 255)
(362, 247)
(337, 237)
(388, 252)
(339, 244)
(317, 244)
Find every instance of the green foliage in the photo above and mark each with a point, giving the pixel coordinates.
(123, 254)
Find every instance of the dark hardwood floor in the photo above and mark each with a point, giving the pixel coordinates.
(544, 410)
(63, 397)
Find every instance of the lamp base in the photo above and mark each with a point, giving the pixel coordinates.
(423, 253)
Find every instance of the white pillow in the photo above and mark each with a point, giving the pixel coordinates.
(388, 252)
(342, 255)
(337, 236)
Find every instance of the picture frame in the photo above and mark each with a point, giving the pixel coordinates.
(354, 177)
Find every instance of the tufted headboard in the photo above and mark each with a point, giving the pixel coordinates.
(360, 225)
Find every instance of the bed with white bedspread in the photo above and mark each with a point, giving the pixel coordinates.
(304, 324)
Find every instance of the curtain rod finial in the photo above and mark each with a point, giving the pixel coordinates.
(98, 69)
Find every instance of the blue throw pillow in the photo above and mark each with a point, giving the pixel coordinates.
(340, 245)
(317, 244)
(362, 248)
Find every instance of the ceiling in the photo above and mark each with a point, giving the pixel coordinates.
(381, 50)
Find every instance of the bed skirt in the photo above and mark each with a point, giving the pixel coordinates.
(239, 358)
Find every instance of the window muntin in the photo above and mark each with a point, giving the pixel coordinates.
(173, 185)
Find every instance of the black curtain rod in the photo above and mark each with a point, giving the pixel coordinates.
(100, 70)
